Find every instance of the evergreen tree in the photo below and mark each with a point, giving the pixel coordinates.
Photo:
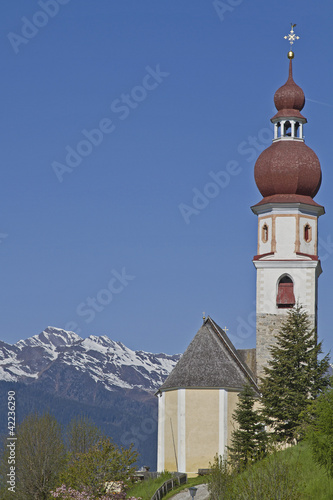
(294, 376)
(249, 440)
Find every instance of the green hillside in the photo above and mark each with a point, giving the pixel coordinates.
(314, 484)
(286, 475)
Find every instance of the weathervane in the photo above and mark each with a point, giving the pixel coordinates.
(291, 37)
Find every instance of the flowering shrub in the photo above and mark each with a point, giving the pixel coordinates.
(67, 493)
(114, 486)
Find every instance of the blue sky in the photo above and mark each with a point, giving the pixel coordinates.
(157, 97)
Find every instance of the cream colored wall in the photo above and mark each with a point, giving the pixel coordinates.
(232, 402)
(202, 427)
(204, 414)
(171, 430)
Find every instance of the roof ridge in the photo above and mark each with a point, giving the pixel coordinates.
(233, 351)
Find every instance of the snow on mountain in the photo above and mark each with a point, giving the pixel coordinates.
(51, 337)
(99, 359)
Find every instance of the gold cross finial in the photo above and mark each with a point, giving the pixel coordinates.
(291, 37)
(203, 316)
(226, 329)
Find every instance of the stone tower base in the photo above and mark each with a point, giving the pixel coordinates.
(268, 326)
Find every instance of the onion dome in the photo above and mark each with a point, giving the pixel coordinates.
(288, 168)
(289, 99)
(288, 171)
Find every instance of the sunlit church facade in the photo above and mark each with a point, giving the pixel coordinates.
(197, 400)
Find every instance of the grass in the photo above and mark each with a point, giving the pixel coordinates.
(146, 489)
(312, 481)
(315, 482)
(289, 474)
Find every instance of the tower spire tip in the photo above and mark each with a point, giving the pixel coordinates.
(291, 37)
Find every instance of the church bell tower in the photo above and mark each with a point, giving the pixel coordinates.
(288, 176)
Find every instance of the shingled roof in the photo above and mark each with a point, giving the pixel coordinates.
(210, 361)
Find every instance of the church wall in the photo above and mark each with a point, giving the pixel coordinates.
(285, 236)
(171, 430)
(232, 403)
(202, 424)
(268, 326)
(201, 427)
(265, 238)
(161, 432)
(308, 247)
(269, 317)
(304, 277)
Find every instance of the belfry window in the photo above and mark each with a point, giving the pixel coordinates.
(264, 233)
(307, 233)
(285, 294)
(296, 129)
(287, 129)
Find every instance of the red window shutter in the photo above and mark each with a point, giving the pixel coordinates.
(285, 296)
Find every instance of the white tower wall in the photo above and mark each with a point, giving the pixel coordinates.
(287, 247)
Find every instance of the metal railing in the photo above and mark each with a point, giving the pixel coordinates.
(168, 485)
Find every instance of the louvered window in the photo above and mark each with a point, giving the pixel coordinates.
(285, 295)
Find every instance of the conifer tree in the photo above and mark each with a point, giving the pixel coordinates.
(249, 440)
(294, 376)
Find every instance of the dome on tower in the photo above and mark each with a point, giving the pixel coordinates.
(289, 99)
(288, 168)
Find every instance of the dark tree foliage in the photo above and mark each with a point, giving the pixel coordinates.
(249, 440)
(294, 376)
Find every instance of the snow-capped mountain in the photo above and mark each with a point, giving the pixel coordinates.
(56, 356)
(59, 372)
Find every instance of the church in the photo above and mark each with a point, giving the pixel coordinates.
(197, 400)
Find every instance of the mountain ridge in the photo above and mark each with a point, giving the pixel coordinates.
(104, 360)
(59, 372)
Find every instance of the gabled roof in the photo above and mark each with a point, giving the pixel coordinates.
(210, 361)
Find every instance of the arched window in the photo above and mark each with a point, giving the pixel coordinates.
(287, 129)
(296, 129)
(307, 233)
(285, 294)
(264, 233)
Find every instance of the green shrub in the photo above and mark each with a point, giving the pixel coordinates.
(273, 478)
(220, 482)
